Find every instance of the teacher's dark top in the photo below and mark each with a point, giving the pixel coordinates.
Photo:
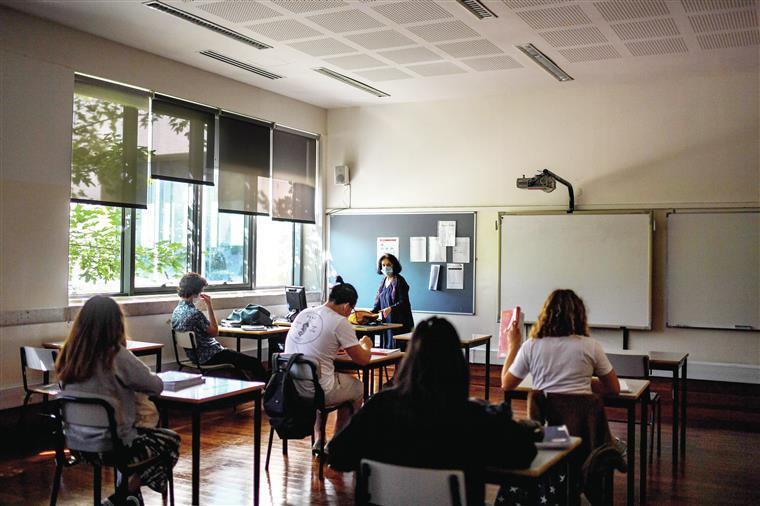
(395, 296)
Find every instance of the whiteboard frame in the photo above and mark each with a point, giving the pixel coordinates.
(721, 210)
(594, 212)
(380, 212)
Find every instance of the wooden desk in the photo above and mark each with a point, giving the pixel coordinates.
(139, 348)
(473, 342)
(212, 394)
(343, 363)
(545, 460)
(276, 331)
(361, 330)
(667, 361)
(639, 394)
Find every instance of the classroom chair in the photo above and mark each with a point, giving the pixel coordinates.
(306, 368)
(186, 340)
(391, 485)
(42, 360)
(637, 367)
(99, 418)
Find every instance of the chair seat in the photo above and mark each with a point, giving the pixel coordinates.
(49, 389)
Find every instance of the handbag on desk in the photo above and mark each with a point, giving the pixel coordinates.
(252, 314)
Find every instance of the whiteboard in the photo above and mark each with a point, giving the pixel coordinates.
(713, 270)
(605, 258)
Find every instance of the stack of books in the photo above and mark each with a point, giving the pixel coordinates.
(385, 351)
(176, 380)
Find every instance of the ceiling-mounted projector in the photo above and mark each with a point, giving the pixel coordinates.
(546, 180)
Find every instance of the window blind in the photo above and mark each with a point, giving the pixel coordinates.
(244, 159)
(294, 167)
(183, 136)
(109, 159)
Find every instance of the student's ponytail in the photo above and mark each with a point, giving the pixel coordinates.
(343, 292)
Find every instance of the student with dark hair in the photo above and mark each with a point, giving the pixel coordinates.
(95, 361)
(392, 298)
(188, 318)
(320, 332)
(427, 420)
(560, 356)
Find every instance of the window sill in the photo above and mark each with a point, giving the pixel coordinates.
(154, 304)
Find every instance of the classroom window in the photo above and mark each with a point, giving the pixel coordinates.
(274, 252)
(95, 244)
(225, 243)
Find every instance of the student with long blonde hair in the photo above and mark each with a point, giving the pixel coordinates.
(95, 362)
(560, 356)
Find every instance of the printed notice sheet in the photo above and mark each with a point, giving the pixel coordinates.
(455, 276)
(435, 272)
(387, 245)
(418, 249)
(447, 232)
(436, 250)
(461, 252)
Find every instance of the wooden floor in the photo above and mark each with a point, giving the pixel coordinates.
(720, 467)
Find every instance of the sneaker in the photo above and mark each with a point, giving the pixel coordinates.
(315, 448)
(621, 446)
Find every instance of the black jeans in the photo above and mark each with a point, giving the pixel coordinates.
(249, 367)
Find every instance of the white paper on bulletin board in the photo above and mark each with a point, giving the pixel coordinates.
(454, 276)
(418, 249)
(387, 245)
(436, 250)
(461, 252)
(447, 231)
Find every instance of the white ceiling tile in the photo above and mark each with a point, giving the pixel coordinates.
(436, 69)
(345, 21)
(488, 63)
(525, 4)
(717, 5)
(591, 53)
(240, 12)
(555, 17)
(386, 74)
(412, 11)
(586, 36)
(657, 47)
(287, 29)
(621, 10)
(440, 32)
(410, 55)
(727, 40)
(355, 61)
(381, 40)
(648, 29)
(720, 21)
(323, 47)
(301, 6)
(467, 48)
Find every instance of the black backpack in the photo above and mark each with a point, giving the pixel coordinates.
(291, 415)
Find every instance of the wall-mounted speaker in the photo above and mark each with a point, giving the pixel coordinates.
(341, 175)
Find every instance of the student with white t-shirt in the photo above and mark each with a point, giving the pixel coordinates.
(560, 355)
(321, 332)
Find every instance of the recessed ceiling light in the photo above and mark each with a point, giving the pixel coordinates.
(545, 62)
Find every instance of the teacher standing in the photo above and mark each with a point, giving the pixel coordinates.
(392, 299)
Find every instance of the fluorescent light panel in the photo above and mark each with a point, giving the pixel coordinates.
(351, 82)
(477, 8)
(209, 25)
(237, 63)
(545, 62)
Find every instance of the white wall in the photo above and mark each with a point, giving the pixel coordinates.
(650, 144)
(37, 64)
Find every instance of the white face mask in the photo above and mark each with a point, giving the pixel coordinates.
(196, 299)
(387, 270)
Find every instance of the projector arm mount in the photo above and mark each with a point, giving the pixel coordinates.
(571, 206)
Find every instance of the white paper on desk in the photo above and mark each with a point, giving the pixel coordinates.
(461, 252)
(435, 272)
(454, 276)
(417, 249)
(387, 245)
(436, 250)
(447, 232)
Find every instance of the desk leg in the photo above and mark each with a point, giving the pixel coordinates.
(237, 346)
(631, 453)
(676, 420)
(644, 429)
(365, 382)
(258, 348)
(684, 377)
(196, 442)
(488, 368)
(158, 360)
(256, 448)
(467, 356)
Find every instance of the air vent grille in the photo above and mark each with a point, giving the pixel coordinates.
(478, 10)
(236, 63)
(199, 21)
(351, 82)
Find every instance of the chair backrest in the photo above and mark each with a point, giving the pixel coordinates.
(89, 422)
(388, 484)
(630, 366)
(305, 371)
(37, 359)
(185, 340)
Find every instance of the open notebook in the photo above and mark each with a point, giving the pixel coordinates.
(624, 386)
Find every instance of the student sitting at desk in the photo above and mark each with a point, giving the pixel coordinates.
(95, 361)
(560, 355)
(320, 332)
(426, 420)
(188, 318)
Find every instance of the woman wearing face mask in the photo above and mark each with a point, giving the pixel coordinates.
(392, 299)
(188, 318)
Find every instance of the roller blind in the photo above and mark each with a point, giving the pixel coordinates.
(183, 137)
(294, 166)
(244, 158)
(109, 159)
